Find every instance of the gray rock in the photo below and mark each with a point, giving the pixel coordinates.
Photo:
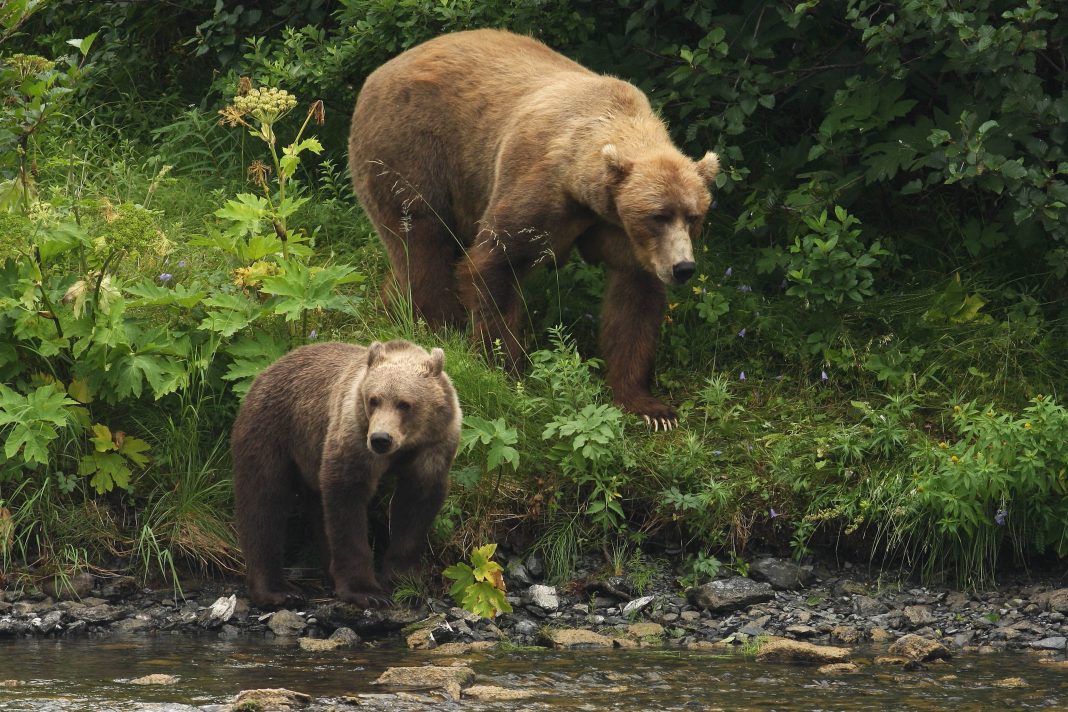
(49, 622)
(781, 574)
(544, 597)
(428, 677)
(637, 604)
(535, 565)
(132, 625)
(525, 627)
(918, 615)
(272, 698)
(101, 613)
(867, 606)
(285, 623)
(1057, 642)
(12, 626)
(346, 635)
(219, 612)
(1056, 601)
(793, 651)
(729, 594)
(517, 573)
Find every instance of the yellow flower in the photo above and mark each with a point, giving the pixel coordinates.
(956, 409)
(673, 307)
(943, 445)
(1027, 426)
(990, 414)
(954, 459)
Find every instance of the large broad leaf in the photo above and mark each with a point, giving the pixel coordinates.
(251, 355)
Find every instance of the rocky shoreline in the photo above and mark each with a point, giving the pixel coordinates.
(782, 612)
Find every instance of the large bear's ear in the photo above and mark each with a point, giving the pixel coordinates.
(374, 352)
(708, 167)
(618, 167)
(435, 363)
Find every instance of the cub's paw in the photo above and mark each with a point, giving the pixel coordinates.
(277, 598)
(366, 599)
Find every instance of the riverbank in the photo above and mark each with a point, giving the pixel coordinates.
(779, 599)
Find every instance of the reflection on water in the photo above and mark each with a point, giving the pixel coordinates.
(91, 674)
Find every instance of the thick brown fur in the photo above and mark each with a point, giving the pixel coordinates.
(308, 422)
(479, 155)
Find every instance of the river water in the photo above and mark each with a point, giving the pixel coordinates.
(92, 674)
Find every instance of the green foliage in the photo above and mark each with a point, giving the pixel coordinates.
(479, 586)
(701, 568)
(495, 438)
(828, 263)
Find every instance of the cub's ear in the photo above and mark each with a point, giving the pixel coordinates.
(618, 167)
(435, 363)
(374, 352)
(708, 167)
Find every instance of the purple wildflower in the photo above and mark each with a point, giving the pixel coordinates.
(313, 334)
(744, 288)
(1001, 516)
(728, 272)
(741, 376)
(717, 452)
(741, 334)
(772, 513)
(182, 263)
(824, 377)
(166, 277)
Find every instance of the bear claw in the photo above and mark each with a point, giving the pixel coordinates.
(661, 424)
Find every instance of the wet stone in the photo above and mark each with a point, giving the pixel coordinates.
(569, 638)
(285, 623)
(157, 679)
(493, 693)
(637, 605)
(270, 698)
(795, 651)
(428, 677)
(918, 648)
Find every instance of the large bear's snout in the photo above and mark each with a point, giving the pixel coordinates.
(682, 271)
(380, 442)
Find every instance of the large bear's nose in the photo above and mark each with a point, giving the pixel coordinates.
(381, 442)
(682, 271)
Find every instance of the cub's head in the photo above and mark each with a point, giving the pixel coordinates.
(405, 395)
(661, 200)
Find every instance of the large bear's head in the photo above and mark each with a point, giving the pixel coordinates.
(661, 199)
(406, 396)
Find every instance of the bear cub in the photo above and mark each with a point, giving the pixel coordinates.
(332, 420)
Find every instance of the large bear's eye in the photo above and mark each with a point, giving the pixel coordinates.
(662, 218)
(374, 402)
(693, 219)
(404, 406)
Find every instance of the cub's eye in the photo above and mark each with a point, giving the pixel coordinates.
(374, 402)
(693, 219)
(662, 218)
(404, 406)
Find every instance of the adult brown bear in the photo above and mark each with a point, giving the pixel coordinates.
(330, 421)
(479, 155)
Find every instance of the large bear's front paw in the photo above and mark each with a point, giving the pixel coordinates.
(656, 415)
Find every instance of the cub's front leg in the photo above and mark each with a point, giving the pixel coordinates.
(422, 484)
(347, 481)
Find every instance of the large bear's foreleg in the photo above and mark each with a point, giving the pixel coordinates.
(421, 489)
(631, 314)
(348, 482)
